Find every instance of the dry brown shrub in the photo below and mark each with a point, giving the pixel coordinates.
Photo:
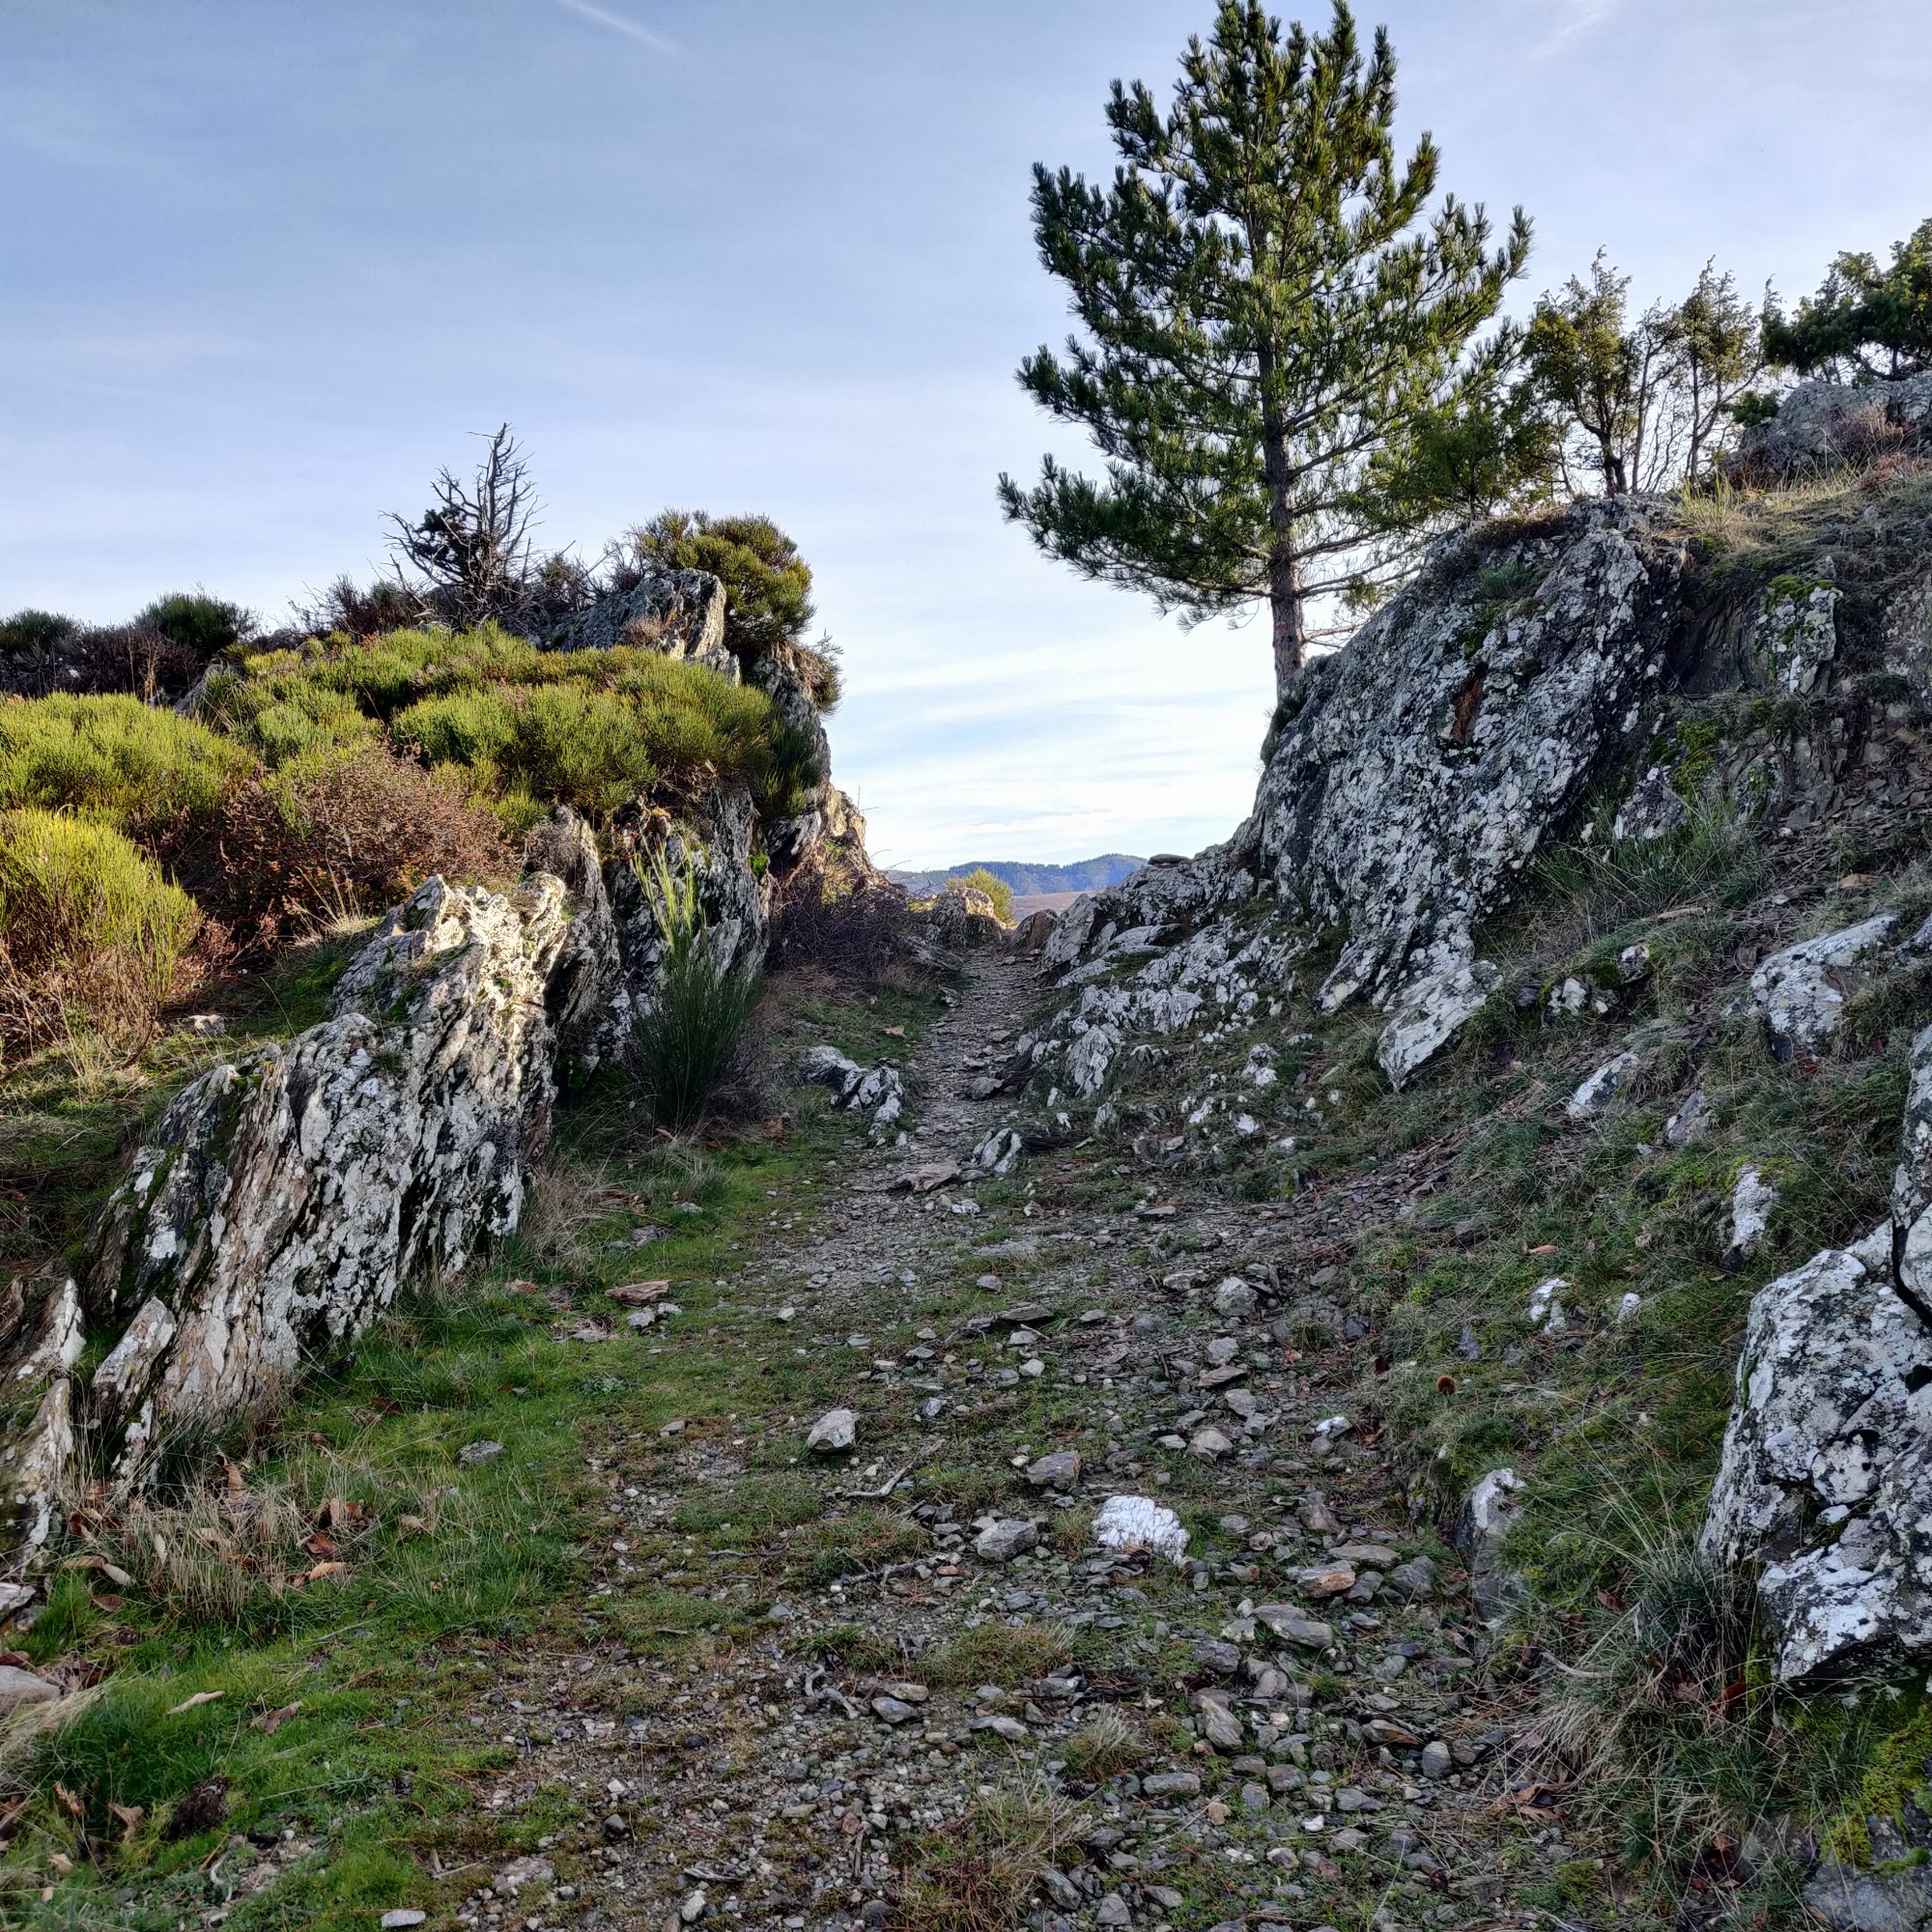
(852, 927)
(296, 851)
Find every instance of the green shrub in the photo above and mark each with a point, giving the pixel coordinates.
(114, 759)
(685, 1042)
(527, 727)
(35, 631)
(767, 582)
(199, 626)
(90, 931)
(996, 889)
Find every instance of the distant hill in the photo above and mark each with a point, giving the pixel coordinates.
(1084, 875)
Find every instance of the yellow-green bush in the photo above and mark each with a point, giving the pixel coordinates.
(89, 930)
(114, 759)
(528, 727)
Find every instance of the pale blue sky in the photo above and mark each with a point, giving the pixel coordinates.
(266, 264)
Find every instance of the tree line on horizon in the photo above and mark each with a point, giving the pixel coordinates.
(1297, 375)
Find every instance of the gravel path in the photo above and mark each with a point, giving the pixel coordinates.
(1292, 1727)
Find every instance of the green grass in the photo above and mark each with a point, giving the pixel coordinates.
(379, 1767)
(527, 727)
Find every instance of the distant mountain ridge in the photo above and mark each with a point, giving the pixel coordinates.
(1084, 875)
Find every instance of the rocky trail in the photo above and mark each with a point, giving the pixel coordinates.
(989, 1713)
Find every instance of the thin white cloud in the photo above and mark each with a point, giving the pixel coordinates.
(1576, 18)
(618, 24)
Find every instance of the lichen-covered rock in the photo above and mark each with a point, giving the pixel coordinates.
(1800, 994)
(714, 849)
(877, 1090)
(1655, 809)
(1754, 1200)
(1795, 637)
(40, 1339)
(1417, 773)
(1821, 425)
(1594, 1096)
(679, 613)
(1908, 639)
(1429, 1013)
(1911, 1187)
(589, 974)
(779, 676)
(283, 1199)
(1826, 1477)
(1492, 1509)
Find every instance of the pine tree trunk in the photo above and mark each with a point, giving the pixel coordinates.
(1290, 635)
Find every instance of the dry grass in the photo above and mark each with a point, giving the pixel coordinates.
(1103, 1747)
(1001, 1654)
(1661, 1722)
(979, 1874)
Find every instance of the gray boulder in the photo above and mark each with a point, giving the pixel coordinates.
(1412, 778)
(1847, 1900)
(713, 848)
(1795, 637)
(1821, 426)
(1911, 1187)
(779, 675)
(1417, 772)
(1493, 1508)
(588, 976)
(678, 613)
(284, 1199)
(1908, 639)
(1826, 1477)
(1800, 994)
(1593, 1098)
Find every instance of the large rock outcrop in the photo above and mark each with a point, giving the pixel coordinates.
(1826, 1480)
(1411, 782)
(679, 613)
(712, 849)
(1419, 771)
(1824, 426)
(284, 1198)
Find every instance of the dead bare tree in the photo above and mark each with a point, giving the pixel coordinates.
(469, 553)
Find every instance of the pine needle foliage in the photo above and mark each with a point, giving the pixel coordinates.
(1265, 303)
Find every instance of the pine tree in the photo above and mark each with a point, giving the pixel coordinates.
(1865, 323)
(1263, 304)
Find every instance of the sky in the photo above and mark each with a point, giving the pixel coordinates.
(266, 267)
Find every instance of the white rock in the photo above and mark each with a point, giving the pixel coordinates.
(302, 1185)
(1131, 1524)
(1911, 1184)
(1691, 1122)
(1545, 1305)
(1825, 1476)
(1493, 1508)
(1753, 1200)
(1794, 639)
(1594, 1097)
(1429, 1013)
(834, 1432)
(1800, 992)
(999, 1151)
